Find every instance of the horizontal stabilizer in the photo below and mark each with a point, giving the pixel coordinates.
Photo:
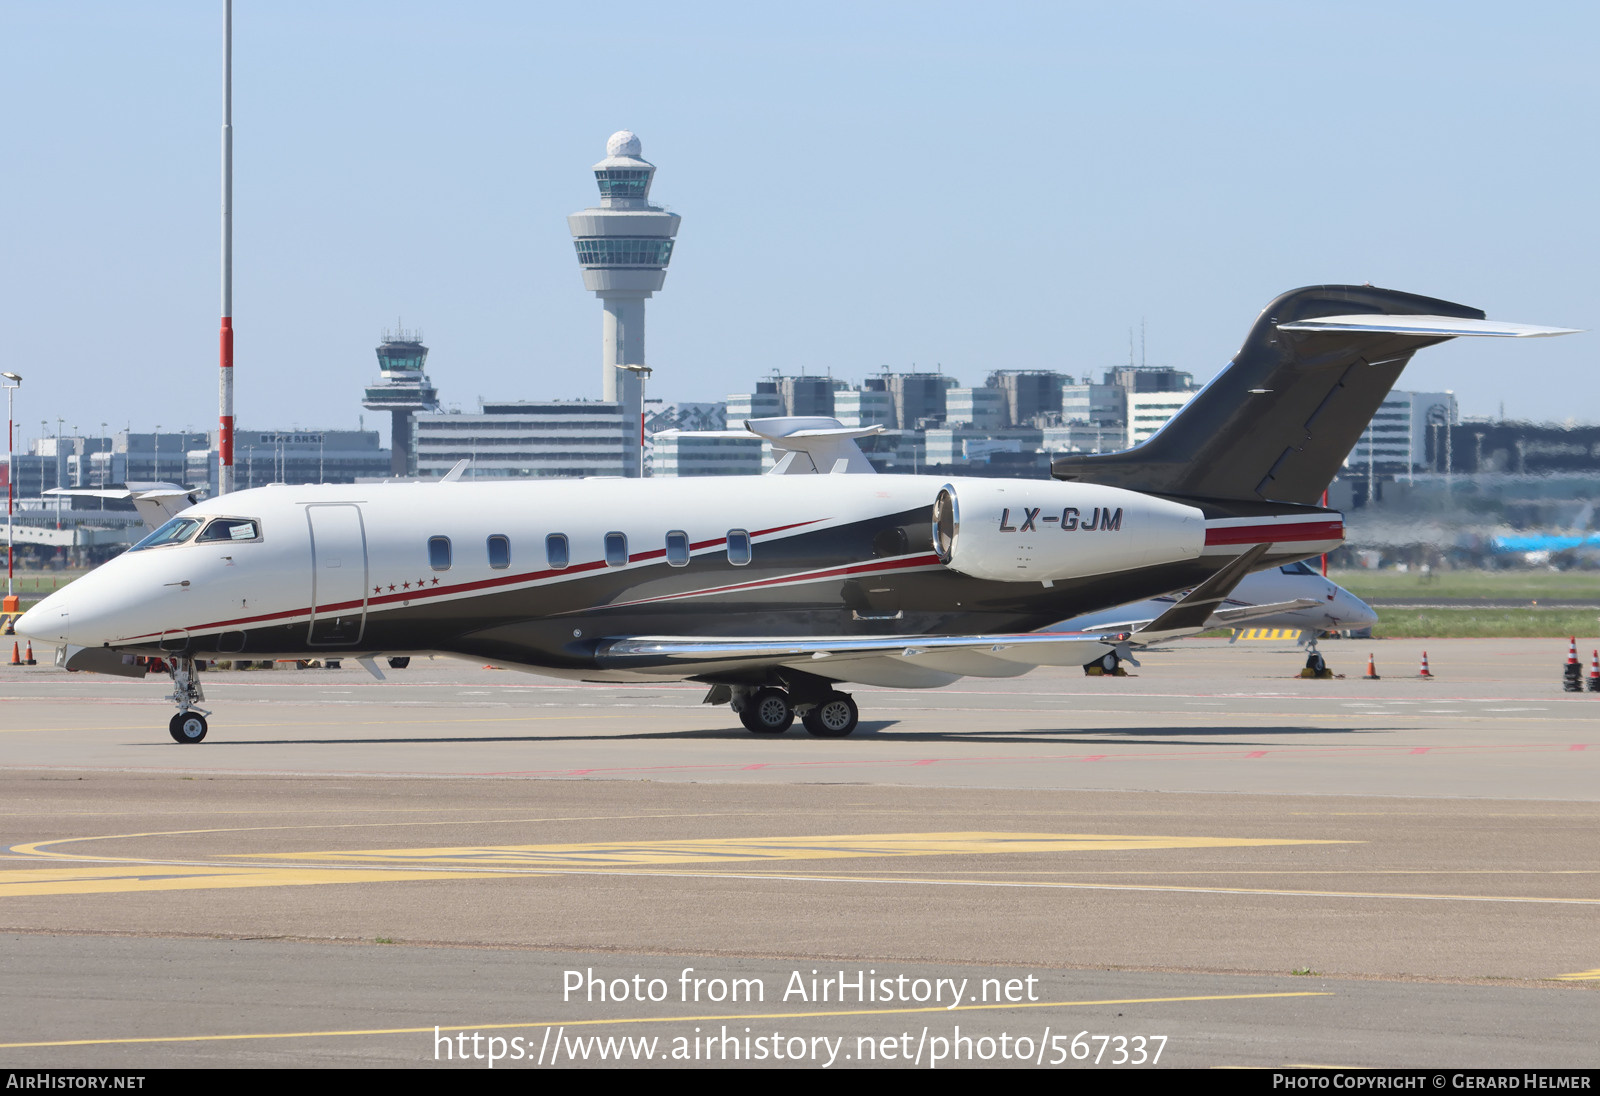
(1443, 326)
(814, 445)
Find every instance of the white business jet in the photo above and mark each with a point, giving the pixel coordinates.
(775, 590)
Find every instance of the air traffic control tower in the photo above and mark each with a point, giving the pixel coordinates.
(623, 245)
(402, 390)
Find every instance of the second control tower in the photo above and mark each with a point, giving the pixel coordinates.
(402, 390)
(624, 245)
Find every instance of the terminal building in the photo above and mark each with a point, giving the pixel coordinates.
(1397, 441)
(530, 438)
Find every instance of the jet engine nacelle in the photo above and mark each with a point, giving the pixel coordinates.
(1039, 531)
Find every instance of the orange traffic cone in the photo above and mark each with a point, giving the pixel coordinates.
(1594, 673)
(16, 654)
(1572, 673)
(31, 662)
(1424, 671)
(1372, 671)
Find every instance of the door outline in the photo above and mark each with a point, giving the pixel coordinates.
(335, 639)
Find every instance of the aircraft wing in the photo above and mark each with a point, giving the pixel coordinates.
(1222, 618)
(904, 661)
(1244, 614)
(907, 661)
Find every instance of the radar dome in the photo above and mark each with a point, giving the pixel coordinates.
(624, 142)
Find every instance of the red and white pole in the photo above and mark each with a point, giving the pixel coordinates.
(225, 411)
(1324, 555)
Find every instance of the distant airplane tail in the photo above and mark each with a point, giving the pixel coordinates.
(1278, 421)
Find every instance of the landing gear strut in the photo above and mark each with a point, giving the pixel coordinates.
(1316, 666)
(189, 725)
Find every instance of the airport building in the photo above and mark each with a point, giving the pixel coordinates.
(694, 453)
(624, 245)
(1396, 442)
(1150, 411)
(531, 438)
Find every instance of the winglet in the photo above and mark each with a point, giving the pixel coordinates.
(1195, 608)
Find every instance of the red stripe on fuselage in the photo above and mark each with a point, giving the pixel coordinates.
(1275, 534)
(907, 564)
(460, 588)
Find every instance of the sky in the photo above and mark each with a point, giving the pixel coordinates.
(920, 185)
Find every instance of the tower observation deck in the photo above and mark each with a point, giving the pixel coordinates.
(624, 245)
(402, 390)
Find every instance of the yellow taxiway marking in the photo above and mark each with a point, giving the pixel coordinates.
(1581, 976)
(655, 1020)
(827, 847)
(37, 848)
(158, 877)
(117, 875)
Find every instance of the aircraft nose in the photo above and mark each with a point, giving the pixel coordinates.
(1355, 613)
(46, 621)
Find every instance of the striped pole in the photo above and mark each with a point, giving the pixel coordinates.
(225, 411)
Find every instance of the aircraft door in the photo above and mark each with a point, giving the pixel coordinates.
(338, 575)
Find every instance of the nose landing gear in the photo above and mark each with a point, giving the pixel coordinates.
(189, 725)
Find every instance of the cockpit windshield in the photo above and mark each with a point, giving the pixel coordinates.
(230, 530)
(175, 531)
(1300, 568)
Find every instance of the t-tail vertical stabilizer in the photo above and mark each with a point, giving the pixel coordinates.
(1277, 422)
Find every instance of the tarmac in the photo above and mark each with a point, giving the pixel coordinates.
(1211, 854)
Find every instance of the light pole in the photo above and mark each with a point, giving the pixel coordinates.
(12, 382)
(61, 467)
(643, 373)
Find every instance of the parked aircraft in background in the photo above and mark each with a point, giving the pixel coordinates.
(775, 590)
(1294, 596)
(1537, 547)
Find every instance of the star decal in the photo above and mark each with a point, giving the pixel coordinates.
(420, 584)
(391, 586)
(436, 582)
(405, 586)
(377, 589)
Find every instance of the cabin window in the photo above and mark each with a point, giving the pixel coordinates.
(230, 530)
(175, 531)
(738, 547)
(678, 548)
(439, 553)
(616, 550)
(499, 552)
(555, 551)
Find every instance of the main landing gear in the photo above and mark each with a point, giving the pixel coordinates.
(771, 710)
(189, 725)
